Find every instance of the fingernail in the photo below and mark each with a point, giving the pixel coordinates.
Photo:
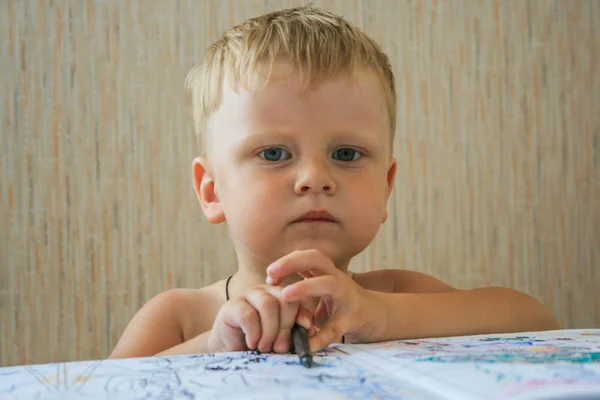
(288, 291)
(269, 280)
(271, 268)
(304, 322)
(281, 346)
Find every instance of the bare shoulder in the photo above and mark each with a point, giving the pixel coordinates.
(168, 319)
(400, 281)
(199, 307)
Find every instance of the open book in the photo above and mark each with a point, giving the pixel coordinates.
(561, 364)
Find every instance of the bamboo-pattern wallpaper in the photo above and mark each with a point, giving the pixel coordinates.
(498, 145)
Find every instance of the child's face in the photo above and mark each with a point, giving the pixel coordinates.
(280, 152)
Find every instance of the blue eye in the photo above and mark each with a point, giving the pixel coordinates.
(275, 154)
(346, 154)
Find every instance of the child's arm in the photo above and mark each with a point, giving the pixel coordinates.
(430, 308)
(445, 311)
(181, 322)
(459, 312)
(157, 328)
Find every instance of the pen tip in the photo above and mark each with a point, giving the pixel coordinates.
(306, 361)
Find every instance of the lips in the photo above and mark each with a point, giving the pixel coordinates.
(316, 216)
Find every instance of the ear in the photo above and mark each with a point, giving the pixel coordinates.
(390, 178)
(206, 190)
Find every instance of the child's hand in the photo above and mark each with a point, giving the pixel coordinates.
(259, 319)
(349, 309)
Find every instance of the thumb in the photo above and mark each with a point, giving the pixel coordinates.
(305, 318)
(331, 332)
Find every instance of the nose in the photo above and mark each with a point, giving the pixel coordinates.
(315, 177)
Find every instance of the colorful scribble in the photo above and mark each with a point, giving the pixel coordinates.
(524, 357)
(493, 366)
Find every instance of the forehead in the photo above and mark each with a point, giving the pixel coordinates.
(282, 101)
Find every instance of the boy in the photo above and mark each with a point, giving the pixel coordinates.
(295, 111)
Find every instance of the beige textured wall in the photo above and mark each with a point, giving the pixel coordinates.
(498, 142)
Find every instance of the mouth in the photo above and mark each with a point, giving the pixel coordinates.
(316, 216)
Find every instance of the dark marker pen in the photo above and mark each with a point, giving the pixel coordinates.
(301, 345)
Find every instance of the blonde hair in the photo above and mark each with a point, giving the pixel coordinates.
(318, 44)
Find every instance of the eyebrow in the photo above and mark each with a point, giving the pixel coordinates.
(254, 139)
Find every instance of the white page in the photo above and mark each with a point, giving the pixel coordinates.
(521, 366)
(210, 376)
(540, 365)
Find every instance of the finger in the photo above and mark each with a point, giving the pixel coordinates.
(306, 263)
(309, 304)
(276, 281)
(304, 318)
(268, 310)
(331, 332)
(321, 314)
(287, 318)
(247, 319)
(326, 285)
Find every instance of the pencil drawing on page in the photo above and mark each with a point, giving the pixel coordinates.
(526, 366)
(225, 375)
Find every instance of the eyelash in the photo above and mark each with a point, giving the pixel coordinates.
(263, 155)
(356, 152)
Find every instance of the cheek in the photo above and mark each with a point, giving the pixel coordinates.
(369, 191)
(251, 205)
(256, 205)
